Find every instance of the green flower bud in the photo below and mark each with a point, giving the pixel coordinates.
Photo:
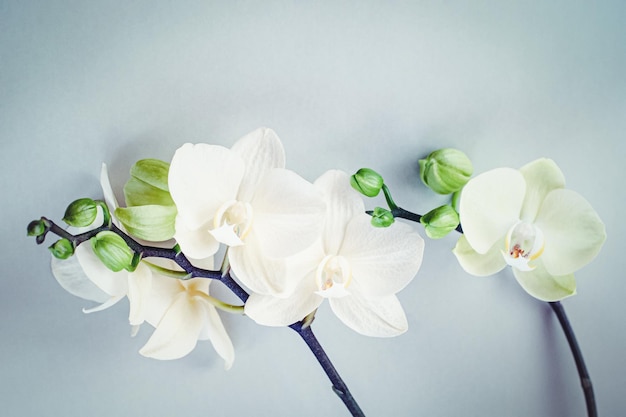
(445, 170)
(81, 212)
(113, 251)
(36, 228)
(382, 217)
(367, 181)
(62, 249)
(440, 221)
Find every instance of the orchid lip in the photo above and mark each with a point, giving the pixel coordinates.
(232, 222)
(524, 243)
(333, 277)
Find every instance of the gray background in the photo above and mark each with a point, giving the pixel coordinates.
(345, 85)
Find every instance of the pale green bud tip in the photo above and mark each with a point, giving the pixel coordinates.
(440, 221)
(382, 217)
(446, 170)
(113, 251)
(62, 249)
(367, 181)
(36, 228)
(81, 212)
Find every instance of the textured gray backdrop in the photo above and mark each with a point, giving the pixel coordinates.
(345, 85)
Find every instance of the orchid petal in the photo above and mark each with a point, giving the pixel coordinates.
(70, 275)
(177, 333)
(261, 150)
(288, 213)
(201, 178)
(383, 260)
(108, 303)
(162, 292)
(107, 190)
(268, 310)
(377, 316)
(219, 338)
(257, 272)
(342, 204)
(543, 286)
(476, 263)
(541, 176)
(573, 232)
(139, 288)
(112, 283)
(195, 243)
(490, 204)
(151, 222)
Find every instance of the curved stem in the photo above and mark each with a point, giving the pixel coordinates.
(339, 387)
(585, 379)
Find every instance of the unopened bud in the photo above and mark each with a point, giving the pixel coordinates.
(440, 221)
(113, 251)
(62, 249)
(36, 228)
(148, 184)
(81, 213)
(382, 217)
(445, 170)
(367, 181)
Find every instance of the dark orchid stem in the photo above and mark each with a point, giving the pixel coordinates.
(585, 379)
(339, 387)
(302, 327)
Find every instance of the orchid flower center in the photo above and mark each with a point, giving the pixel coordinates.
(524, 243)
(333, 276)
(232, 223)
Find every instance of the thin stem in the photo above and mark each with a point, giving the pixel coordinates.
(392, 205)
(585, 379)
(339, 387)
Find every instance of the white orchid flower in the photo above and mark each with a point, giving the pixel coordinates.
(358, 267)
(244, 198)
(181, 314)
(528, 220)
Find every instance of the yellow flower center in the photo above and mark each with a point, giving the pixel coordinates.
(333, 276)
(524, 243)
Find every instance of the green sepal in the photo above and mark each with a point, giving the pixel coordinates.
(440, 221)
(152, 222)
(148, 184)
(62, 249)
(113, 251)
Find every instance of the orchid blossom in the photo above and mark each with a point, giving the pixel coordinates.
(528, 220)
(244, 198)
(179, 310)
(358, 267)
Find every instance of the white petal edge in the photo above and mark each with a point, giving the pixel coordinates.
(201, 178)
(573, 231)
(541, 176)
(261, 150)
(545, 287)
(288, 213)
(478, 264)
(342, 204)
(377, 317)
(219, 338)
(112, 283)
(195, 243)
(177, 333)
(139, 289)
(268, 310)
(490, 204)
(71, 277)
(383, 260)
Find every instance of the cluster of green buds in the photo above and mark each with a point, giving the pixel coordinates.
(369, 183)
(108, 246)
